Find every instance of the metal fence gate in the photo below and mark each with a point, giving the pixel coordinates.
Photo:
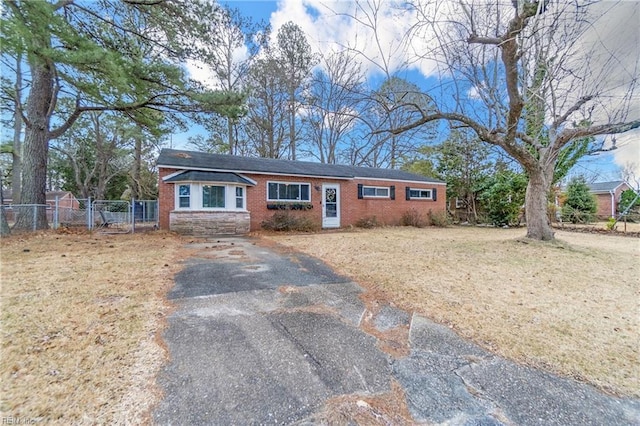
(112, 216)
(100, 215)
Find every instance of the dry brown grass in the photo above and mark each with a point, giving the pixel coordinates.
(80, 321)
(571, 307)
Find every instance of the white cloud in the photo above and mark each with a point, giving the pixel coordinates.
(627, 155)
(336, 25)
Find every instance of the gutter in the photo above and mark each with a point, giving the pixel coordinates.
(613, 203)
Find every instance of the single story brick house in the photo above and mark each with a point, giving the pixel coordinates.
(208, 194)
(608, 196)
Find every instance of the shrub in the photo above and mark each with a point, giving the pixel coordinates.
(412, 217)
(629, 200)
(580, 205)
(367, 222)
(284, 221)
(612, 224)
(503, 197)
(439, 219)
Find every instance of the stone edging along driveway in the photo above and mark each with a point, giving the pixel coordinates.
(262, 335)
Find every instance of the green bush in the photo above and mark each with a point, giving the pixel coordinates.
(580, 205)
(629, 200)
(367, 222)
(284, 221)
(503, 197)
(413, 217)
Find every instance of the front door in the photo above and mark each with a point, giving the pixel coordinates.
(330, 206)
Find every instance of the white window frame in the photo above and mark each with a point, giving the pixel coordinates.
(420, 197)
(195, 197)
(226, 196)
(459, 203)
(376, 188)
(241, 197)
(178, 196)
(276, 200)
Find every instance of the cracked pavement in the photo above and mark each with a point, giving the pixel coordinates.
(261, 335)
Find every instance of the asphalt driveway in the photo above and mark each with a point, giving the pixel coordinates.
(266, 336)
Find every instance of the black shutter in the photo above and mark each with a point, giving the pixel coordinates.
(360, 196)
(407, 191)
(392, 192)
(435, 194)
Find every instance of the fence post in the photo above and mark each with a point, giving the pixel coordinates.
(35, 216)
(89, 214)
(133, 215)
(56, 216)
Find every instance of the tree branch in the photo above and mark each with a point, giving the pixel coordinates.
(560, 120)
(567, 135)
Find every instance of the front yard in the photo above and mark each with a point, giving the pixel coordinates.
(80, 321)
(81, 314)
(569, 307)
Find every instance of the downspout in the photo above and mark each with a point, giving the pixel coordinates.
(613, 203)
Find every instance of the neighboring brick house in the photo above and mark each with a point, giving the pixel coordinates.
(608, 196)
(207, 194)
(65, 199)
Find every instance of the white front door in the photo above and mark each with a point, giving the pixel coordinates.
(331, 206)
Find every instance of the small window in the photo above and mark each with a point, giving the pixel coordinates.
(420, 194)
(375, 191)
(184, 192)
(239, 197)
(460, 203)
(278, 191)
(213, 196)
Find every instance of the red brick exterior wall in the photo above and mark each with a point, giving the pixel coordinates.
(352, 209)
(604, 202)
(166, 200)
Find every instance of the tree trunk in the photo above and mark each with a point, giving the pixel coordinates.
(292, 125)
(232, 143)
(36, 145)
(538, 225)
(136, 189)
(16, 167)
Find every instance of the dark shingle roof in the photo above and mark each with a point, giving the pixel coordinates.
(604, 186)
(199, 160)
(198, 176)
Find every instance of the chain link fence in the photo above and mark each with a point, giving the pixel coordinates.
(100, 215)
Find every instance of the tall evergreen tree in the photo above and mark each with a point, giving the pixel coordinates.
(97, 53)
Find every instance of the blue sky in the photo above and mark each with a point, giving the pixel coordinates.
(326, 29)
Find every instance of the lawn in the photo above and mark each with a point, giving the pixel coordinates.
(570, 307)
(81, 316)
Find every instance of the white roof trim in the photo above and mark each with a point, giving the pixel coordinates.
(417, 182)
(420, 182)
(253, 173)
(179, 172)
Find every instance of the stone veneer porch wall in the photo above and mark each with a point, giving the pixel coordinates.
(204, 223)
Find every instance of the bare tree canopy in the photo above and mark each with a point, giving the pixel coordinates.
(530, 77)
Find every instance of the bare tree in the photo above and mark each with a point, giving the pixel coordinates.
(296, 60)
(235, 46)
(265, 124)
(95, 148)
(334, 99)
(530, 60)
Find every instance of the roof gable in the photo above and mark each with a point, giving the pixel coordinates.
(199, 176)
(218, 162)
(605, 186)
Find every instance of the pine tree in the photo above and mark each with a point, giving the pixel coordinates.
(580, 205)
